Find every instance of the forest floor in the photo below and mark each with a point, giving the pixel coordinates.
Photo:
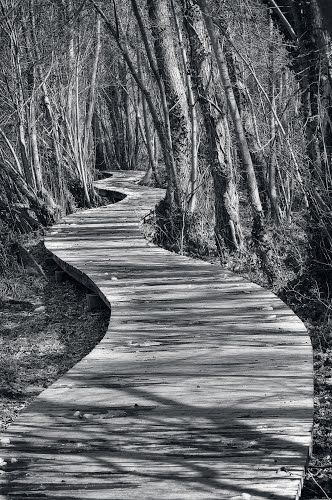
(46, 328)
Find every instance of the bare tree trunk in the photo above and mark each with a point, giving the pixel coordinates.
(92, 92)
(192, 194)
(71, 61)
(167, 142)
(80, 164)
(128, 125)
(24, 155)
(174, 86)
(34, 144)
(149, 141)
(228, 232)
(153, 167)
(255, 201)
(275, 209)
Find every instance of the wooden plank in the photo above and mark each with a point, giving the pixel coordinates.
(200, 389)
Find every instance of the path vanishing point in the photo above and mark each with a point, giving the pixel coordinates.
(202, 387)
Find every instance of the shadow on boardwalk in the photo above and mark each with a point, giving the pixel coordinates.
(113, 448)
(201, 389)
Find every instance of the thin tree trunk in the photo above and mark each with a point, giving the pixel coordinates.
(24, 154)
(34, 145)
(31, 85)
(193, 117)
(148, 139)
(150, 142)
(275, 209)
(71, 62)
(92, 92)
(169, 156)
(81, 165)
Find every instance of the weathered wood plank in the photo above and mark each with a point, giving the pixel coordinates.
(201, 388)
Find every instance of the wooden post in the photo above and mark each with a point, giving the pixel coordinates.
(60, 276)
(94, 302)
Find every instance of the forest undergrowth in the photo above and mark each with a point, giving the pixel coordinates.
(295, 284)
(45, 327)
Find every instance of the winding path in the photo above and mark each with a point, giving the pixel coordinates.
(201, 388)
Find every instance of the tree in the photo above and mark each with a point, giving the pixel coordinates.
(228, 232)
(175, 90)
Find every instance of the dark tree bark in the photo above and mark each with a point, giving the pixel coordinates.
(175, 89)
(313, 64)
(228, 232)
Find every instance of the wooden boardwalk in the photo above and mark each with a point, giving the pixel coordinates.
(201, 388)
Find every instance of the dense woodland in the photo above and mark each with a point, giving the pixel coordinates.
(224, 103)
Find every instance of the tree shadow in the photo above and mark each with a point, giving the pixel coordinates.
(202, 387)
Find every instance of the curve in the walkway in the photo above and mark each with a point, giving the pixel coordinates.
(201, 388)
